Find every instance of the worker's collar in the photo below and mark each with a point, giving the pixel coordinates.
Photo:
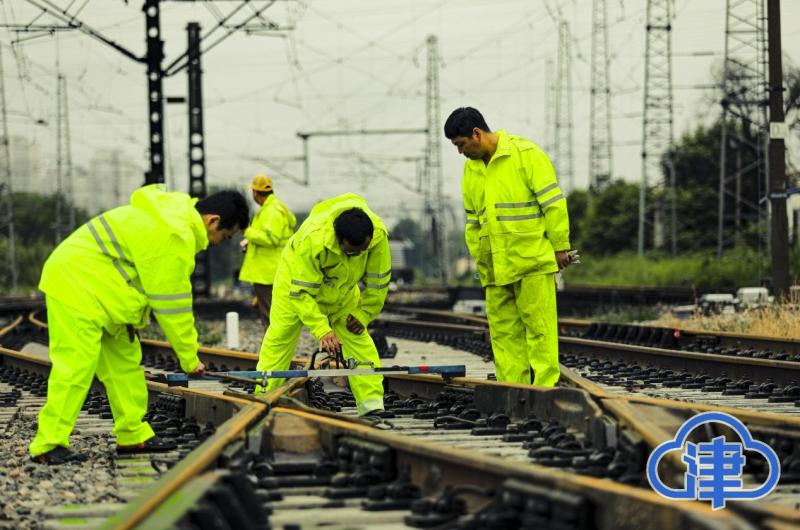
(199, 231)
(503, 146)
(503, 149)
(269, 200)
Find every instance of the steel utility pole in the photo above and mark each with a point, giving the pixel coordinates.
(155, 90)
(657, 130)
(777, 158)
(600, 160)
(563, 119)
(201, 278)
(5, 186)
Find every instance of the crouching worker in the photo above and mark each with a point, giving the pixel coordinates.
(104, 281)
(341, 243)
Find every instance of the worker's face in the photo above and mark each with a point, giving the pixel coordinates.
(470, 146)
(217, 235)
(259, 198)
(354, 250)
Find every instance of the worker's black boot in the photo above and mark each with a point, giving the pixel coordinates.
(153, 445)
(59, 455)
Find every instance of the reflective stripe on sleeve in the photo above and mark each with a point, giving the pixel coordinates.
(179, 296)
(546, 189)
(377, 286)
(382, 275)
(551, 200)
(172, 311)
(306, 284)
(472, 222)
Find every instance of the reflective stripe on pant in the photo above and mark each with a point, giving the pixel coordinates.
(79, 348)
(281, 340)
(524, 327)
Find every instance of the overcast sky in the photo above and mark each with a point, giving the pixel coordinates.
(352, 64)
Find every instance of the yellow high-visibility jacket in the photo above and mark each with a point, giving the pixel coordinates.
(320, 282)
(267, 234)
(516, 213)
(132, 260)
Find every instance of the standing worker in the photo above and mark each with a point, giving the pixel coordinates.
(341, 244)
(102, 283)
(263, 242)
(517, 232)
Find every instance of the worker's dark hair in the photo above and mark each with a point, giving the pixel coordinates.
(462, 121)
(230, 205)
(354, 225)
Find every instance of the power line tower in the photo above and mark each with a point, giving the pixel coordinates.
(64, 183)
(744, 119)
(562, 148)
(6, 196)
(434, 200)
(600, 160)
(657, 123)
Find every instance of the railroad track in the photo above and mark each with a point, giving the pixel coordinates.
(735, 370)
(565, 457)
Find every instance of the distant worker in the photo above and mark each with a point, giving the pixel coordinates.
(517, 232)
(102, 283)
(341, 244)
(263, 242)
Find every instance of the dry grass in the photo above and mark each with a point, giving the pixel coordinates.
(782, 321)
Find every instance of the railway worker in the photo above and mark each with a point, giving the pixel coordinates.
(517, 232)
(263, 242)
(341, 243)
(103, 282)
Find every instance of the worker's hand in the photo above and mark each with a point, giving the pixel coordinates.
(200, 369)
(562, 257)
(330, 343)
(353, 325)
(243, 244)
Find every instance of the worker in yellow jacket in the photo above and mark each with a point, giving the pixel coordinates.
(517, 232)
(341, 243)
(102, 283)
(263, 242)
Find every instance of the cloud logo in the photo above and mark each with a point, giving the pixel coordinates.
(713, 469)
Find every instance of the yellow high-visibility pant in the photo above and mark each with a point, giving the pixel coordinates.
(524, 326)
(79, 349)
(280, 341)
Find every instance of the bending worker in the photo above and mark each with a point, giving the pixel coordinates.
(341, 243)
(263, 242)
(104, 281)
(517, 232)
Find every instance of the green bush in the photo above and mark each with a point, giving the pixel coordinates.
(700, 269)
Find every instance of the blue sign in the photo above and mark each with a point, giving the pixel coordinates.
(713, 469)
